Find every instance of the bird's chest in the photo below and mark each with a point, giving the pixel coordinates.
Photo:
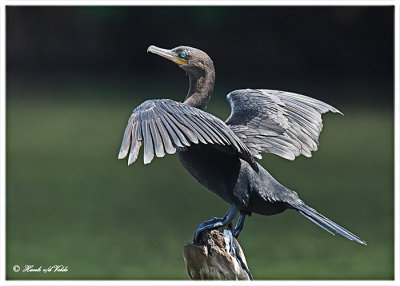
(215, 169)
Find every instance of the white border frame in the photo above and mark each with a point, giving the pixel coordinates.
(395, 3)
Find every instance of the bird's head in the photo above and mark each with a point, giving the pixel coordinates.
(194, 61)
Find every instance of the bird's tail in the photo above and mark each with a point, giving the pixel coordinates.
(326, 223)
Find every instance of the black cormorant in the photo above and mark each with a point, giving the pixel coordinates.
(222, 155)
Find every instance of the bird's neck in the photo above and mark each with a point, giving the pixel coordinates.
(201, 87)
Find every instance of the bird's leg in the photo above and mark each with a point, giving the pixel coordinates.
(239, 225)
(216, 222)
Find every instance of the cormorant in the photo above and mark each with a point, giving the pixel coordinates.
(222, 155)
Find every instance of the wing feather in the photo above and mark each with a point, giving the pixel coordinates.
(189, 129)
(166, 140)
(180, 130)
(174, 137)
(158, 144)
(164, 125)
(286, 124)
(148, 142)
(208, 129)
(174, 126)
(199, 130)
(126, 141)
(135, 146)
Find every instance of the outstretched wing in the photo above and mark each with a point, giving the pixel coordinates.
(283, 123)
(163, 125)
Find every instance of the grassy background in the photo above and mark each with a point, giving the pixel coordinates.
(71, 202)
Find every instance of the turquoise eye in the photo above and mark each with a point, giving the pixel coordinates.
(183, 55)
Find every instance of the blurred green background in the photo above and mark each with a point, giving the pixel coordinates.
(74, 74)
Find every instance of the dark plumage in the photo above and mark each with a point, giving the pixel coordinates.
(221, 155)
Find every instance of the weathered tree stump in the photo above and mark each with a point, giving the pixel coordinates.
(216, 256)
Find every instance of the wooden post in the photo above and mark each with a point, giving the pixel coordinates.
(216, 256)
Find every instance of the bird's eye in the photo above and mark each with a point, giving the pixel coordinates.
(182, 55)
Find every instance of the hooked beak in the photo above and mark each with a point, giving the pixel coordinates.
(168, 54)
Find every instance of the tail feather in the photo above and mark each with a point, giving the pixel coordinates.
(326, 223)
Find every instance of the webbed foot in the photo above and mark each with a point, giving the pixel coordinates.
(216, 222)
